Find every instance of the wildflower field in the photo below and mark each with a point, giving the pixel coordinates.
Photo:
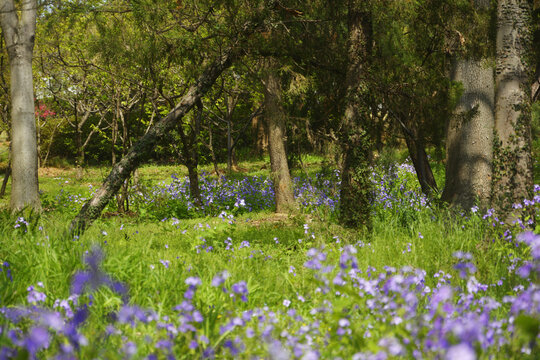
(232, 279)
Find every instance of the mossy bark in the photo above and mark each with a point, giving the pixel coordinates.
(274, 116)
(356, 190)
(469, 136)
(513, 165)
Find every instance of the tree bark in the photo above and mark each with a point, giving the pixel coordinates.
(355, 193)
(141, 150)
(19, 33)
(417, 152)
(274, 116)
(5, 181)
(469, 136)
(513, 165)
(260, 136)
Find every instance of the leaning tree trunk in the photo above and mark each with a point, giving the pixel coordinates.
(356, 190)
(141, 150)
(513, 174)
(275, 119)
(469, 136)
(19, 33)
(417, 151)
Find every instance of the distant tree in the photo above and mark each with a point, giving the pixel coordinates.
(19, 28)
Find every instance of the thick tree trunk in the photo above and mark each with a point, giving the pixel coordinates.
(141, 150)
(513, 174)
(469, 136)
(19, 35)
(275, 119)
(356, 195)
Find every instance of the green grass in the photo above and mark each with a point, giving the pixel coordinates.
(135, 247)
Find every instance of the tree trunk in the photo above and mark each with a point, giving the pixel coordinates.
(5, 181)
(355, 193)
(275, 119)
(141, 150)
(194, 189)
(469, 136)
(260, 135)
(513, 173)
(417, 152)
(19, 33)
(211, 148)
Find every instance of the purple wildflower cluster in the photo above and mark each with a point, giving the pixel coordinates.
(395, 188)
(353, 313)
(322, 192)
(217, 195)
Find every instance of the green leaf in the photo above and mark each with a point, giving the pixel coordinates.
(529, 324)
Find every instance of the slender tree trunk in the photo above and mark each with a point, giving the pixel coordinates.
(356, 194)
(5, 181)
(194, 189)
(275, 119)
(211, 148)
(19, 33)
(513, 174)
(469, 136)
(417, 152)
(260, 135)
(78, 141)
(189, 155)
(535, 93)
(123, 200)
(141, 150)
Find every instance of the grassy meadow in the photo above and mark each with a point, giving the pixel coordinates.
(232, 279)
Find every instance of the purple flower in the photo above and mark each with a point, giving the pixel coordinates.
(129, 349)
(316, 257)
(8, 270)
(533, 241)
(193, 281)
(94, 277)
(35, 296)
(220, 278)
(240, 288)
(460, 352)
(244, 244)
(37, 339)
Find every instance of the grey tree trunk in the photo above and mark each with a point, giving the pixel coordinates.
(513, 174)
(469, 136)
(141, 150)
(356, 190)
(19, 33)
(274, 116)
